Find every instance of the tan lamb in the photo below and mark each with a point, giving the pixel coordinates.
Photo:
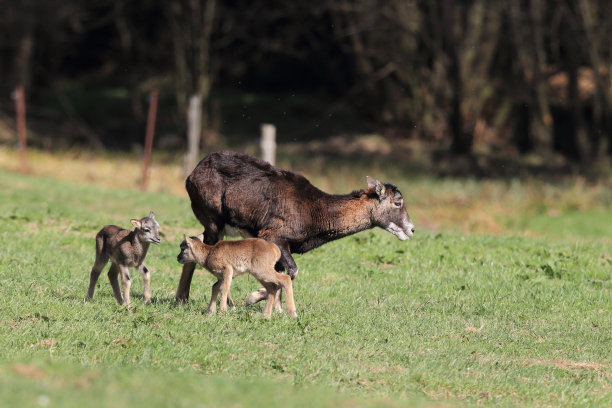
(227, 259)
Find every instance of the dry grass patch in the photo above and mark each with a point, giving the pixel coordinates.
(568, 365)
(120, 171)
(29, 371)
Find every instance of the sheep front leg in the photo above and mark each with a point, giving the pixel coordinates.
(286, 260)
(146, 280)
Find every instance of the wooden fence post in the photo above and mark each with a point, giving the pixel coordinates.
(268, 143)
(194, 132)
(21, 126)
(148, 147)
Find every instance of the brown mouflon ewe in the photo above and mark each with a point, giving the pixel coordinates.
(229, 189)
(227, 259)
(125, 249)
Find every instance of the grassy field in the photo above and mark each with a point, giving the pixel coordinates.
(504, 301)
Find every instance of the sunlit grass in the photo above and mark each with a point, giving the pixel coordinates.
(443, 318)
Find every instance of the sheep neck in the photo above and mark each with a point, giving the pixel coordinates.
(202, 252)
(348, 214)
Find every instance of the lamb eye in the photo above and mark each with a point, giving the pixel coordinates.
(146, 230)
(398, 204)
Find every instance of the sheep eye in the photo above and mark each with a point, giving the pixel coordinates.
(146, 230)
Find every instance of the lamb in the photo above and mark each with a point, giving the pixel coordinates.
(229, 189)
(124, 249)
(227, 259)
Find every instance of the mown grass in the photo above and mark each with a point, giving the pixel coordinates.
(444, 318)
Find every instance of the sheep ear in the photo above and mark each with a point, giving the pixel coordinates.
(201, 237)
(136, 223)
(371, 181)
(378, 186)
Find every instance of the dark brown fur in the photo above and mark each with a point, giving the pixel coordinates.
(283, 207)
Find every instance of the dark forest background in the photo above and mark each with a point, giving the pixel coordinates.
(511, 78)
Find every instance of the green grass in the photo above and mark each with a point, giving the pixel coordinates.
(569, 225)
(442, 319)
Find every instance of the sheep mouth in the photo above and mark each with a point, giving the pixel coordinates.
(400, 233)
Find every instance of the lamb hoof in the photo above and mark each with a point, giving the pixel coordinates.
(256, 296)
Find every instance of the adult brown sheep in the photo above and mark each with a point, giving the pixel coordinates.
(280, 206)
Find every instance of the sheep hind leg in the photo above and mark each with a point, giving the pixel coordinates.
(212, 306)
(262, 294)
(272, 290)
(113, 277)
(278, 300)
(230, 301)
(228, 273)
(96, 270)
(255, 297)
(284, 283)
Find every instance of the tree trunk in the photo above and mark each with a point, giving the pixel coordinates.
(204, 79)
(541, 119)
(192, 24)
(461, 140)
(581, 136)
(601, 97)
(529, 44)
(194, 132)
(22, 73)
(180, 57)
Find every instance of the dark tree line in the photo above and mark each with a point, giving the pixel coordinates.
(519, 75)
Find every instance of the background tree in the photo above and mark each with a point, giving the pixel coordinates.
(462, 76)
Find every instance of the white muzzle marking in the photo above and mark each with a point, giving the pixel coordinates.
(401, 234)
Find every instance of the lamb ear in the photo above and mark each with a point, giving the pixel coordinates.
(187, 240)
(151, 215)
(136, 223)
(201, 237)
(378, 186)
